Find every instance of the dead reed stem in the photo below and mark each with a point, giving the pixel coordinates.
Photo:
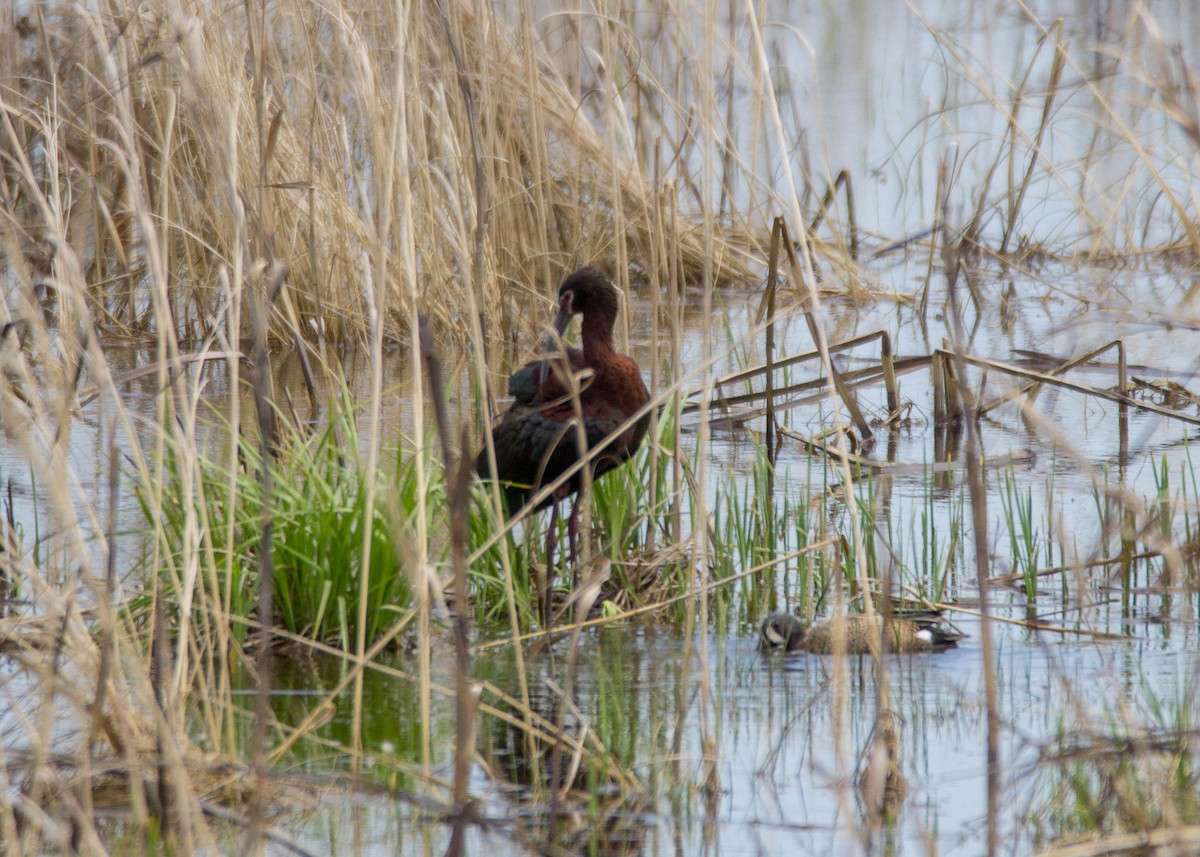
(458, 495)
(978, 491)
(399, 161)
(842, 180)
(264, 402)
(769, 348)
(1017, 198)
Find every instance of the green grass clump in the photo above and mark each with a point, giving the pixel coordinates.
(318, 515)
(1127, 771)
(486, 574)
(1023, 536)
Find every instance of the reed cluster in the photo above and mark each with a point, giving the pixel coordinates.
(218, 186)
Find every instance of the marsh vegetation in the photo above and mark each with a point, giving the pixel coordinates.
(912, 290)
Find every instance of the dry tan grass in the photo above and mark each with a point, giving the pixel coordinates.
(339, 141)
(160, 162)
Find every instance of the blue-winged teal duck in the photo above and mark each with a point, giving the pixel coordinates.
(783, 631)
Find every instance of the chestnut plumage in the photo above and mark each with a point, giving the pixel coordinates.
(536, 440)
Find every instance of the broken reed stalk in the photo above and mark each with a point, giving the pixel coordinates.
(458, 481)
(882, 746)
(947, 401)
(844, 391)
(1032, 387)
(888, 370)
(951, 249)
(889, 375)
(783, 400)
(508, 575)
(1122, 413)
(710, 772)
(1017, 199)
(458, 484)
(676, 311)
(930, 264)
(482, 196)
(841, 181)
(1088, 389)
(1002, 580)
(769, 369)
(784, 362)
(160, 672)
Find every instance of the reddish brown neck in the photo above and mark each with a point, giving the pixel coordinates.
(597, 334)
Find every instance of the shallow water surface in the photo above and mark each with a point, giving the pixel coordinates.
(789, 738)
(790, 734)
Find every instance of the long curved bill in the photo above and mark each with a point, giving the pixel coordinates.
(552, 342)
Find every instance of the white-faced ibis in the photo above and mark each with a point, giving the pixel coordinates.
(914, 634)
(536, 440)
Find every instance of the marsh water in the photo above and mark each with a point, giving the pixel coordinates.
(871, 87)
(788, 735)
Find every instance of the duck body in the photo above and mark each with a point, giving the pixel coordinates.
(536, 440)
(785, 632)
